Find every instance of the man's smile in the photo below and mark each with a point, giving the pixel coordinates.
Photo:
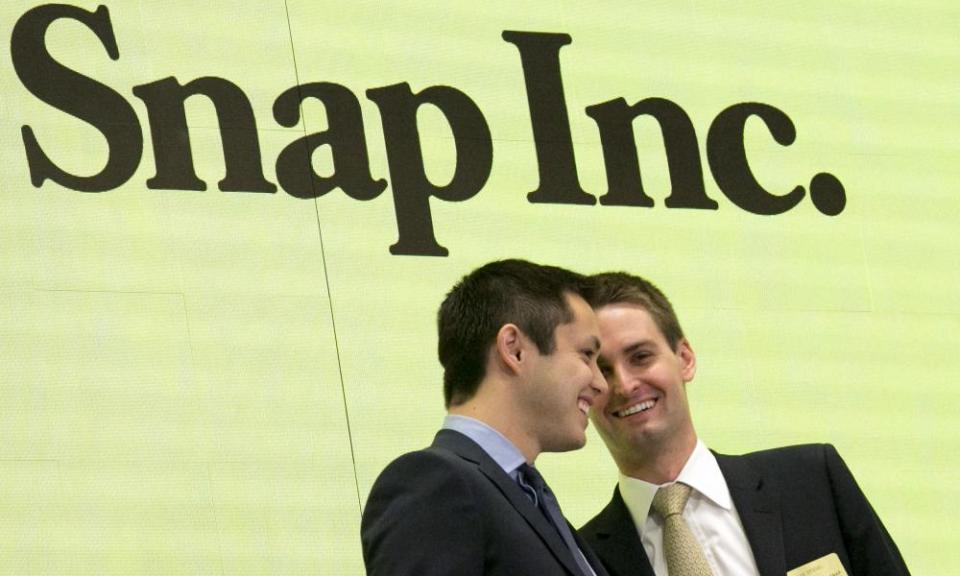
(636, 408)
(584, 403)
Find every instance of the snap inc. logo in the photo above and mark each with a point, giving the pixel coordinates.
(108, 112)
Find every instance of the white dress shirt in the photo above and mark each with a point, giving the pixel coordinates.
(710, 513)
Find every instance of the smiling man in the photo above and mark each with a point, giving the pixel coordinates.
(518, 345)
(680, 509)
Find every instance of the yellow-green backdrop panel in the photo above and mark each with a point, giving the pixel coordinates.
(209, 382)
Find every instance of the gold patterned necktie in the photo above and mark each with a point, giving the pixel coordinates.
(682, 550)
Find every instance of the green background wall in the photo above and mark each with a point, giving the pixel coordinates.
(209, 382)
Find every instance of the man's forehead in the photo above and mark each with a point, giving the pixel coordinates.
(627, 325)
(637, 313)
(579, 308)
(584, 322)
(575, 300)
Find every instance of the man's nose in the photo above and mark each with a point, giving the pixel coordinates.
(623, 381)
(599, 383)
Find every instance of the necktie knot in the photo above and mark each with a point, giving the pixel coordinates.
(532, 483)
(670, 500)
(532, 477)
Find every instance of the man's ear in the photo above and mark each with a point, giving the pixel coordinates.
(688, 359)
(510, 347)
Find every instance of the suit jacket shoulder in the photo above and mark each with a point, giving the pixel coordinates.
(796, 504)
(451, 510)
(421, 496)
(808, 496)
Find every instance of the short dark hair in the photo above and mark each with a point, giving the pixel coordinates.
(529, 295)
(619, 287)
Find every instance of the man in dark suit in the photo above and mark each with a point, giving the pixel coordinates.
(518, 345)
(681, 508)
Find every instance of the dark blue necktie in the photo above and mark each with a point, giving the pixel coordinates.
(536, 488)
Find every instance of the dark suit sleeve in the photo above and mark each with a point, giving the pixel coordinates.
(420, 520)
(871, 550)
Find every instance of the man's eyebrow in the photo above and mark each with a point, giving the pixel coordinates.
(595, 343)
(631, 348)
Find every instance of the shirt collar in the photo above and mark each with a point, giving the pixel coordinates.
(495, 444)
(701, 472)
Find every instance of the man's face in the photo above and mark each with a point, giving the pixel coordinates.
(564, 384)
(645, 408)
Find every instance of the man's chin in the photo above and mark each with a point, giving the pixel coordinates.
(642, 439)
(569, 444)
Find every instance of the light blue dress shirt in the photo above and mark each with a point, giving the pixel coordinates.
(495, 444)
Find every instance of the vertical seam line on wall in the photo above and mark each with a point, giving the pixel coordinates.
(209, 436)
(326, 275)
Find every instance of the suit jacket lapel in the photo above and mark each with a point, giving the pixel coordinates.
(592, 558)
(615, 539)
(470, 450)
(758, 505)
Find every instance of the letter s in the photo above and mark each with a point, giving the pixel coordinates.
(77, 95)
